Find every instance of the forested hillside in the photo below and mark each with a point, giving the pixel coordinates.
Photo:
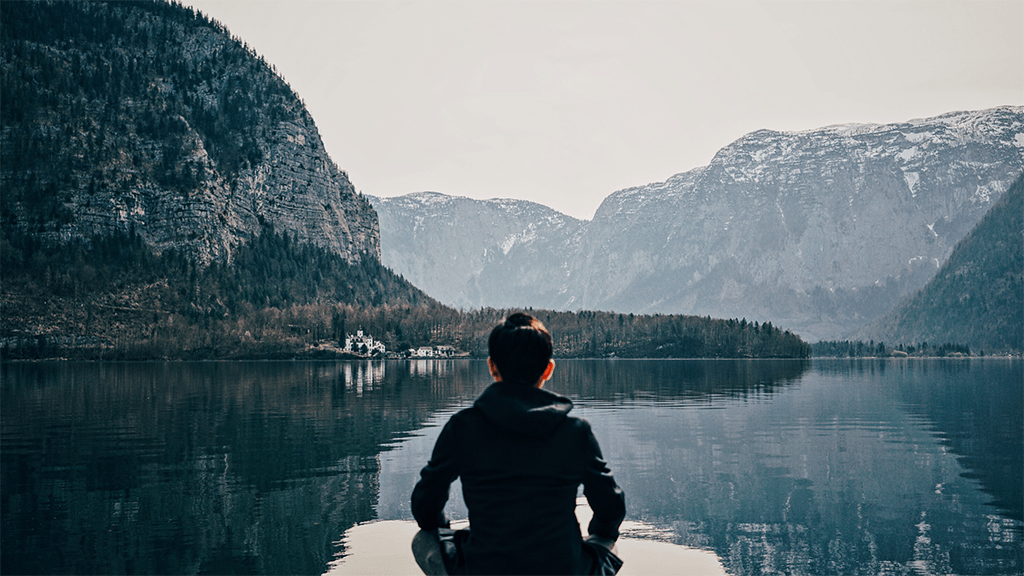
(586, 334)
(148, 115)
(114, 298)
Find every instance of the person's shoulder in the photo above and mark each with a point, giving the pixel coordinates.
(578, 424)
(581, 434)
(466, 415)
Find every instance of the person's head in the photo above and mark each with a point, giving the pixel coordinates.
(520, 350)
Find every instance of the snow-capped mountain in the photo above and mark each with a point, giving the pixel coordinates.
(818, 231)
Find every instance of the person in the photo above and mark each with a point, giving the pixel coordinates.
(521, 458)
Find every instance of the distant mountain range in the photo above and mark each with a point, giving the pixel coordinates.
(818, 231)
(475, 253)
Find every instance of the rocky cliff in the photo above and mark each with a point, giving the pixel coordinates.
(818, 231)
(147, 116)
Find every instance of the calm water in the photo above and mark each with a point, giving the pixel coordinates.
(779, 467)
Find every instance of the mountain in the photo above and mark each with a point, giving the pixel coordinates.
(474, 253)
(147, 116)
(165, 194)
(977, 297)
(819, 231)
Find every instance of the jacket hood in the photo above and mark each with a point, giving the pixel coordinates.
(523, 409)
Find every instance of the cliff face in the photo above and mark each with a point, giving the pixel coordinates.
(818, 231)
(147, 116)
(977, 297)
(474, 253)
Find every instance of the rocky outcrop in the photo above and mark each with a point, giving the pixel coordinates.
(818, 231)
(151, 117)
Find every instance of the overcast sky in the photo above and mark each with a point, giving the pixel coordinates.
(563, 103)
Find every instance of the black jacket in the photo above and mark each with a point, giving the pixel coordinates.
(521, 459)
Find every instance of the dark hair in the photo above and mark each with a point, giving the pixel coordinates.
(521, 348)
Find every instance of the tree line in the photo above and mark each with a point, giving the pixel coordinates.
(114, 297)
(871, 349)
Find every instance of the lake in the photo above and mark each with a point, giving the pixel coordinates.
(777, 467)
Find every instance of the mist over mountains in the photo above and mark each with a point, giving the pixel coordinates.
(819, 231)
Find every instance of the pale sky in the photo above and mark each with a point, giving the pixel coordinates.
(564, 103)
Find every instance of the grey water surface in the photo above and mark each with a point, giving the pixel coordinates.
(778, 467)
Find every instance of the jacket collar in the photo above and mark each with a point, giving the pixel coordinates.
(523, 409)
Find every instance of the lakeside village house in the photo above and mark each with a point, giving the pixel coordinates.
(431, 352)
(365, 345)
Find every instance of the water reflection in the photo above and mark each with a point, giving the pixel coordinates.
(975, 407)
(839, 474)
(776, 466)
(666, 382)
(186, 468)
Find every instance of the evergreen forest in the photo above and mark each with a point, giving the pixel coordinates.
(871, 349)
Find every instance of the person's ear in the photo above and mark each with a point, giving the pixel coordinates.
(547, 373)
(494, 370)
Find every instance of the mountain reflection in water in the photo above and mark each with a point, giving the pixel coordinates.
(776, 466)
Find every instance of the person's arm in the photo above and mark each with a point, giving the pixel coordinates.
(605, 497)
(431, 492)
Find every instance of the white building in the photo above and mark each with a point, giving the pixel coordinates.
(363, 344)
(444, 351)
